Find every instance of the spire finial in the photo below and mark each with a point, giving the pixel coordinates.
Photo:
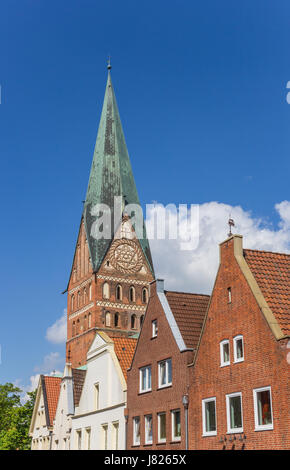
(109, 63)
(231, 224)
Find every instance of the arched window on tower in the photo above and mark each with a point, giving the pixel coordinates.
(133, 321)
(90, 292)
(106, 290)
(116, 320)
(89, 320)
(85, 296)
(78, 327)
(85, 322)
(74, 328)
(144, 295)
(119, 292)
(141, 320)
(132, 294)
(72, 301)
(79, 299)
(108, 319)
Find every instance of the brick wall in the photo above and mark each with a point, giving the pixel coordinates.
(264, 365)
(149, 351)
(84, 316)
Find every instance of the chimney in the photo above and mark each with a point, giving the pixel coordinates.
(232, 246)
(156, 286)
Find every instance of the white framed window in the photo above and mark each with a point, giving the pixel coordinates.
(263, 408)
(209, 417)
(96, 395)
(164, 373)
(238, 348)
(79, 439)
(88, 438)
(154, 329)
(225, 352)
(145, 379)
(104, 436)
(175, 425)
(136, 431)
(234, 412)
(161, 427)
(115, 435)
(148, 429)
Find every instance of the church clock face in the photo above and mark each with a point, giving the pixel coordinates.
(126, 256)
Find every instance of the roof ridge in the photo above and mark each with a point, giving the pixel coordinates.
(187, 293)
(266, 251)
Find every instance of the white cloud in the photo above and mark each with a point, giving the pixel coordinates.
(195, 270)
(50, 364)
(56, 333)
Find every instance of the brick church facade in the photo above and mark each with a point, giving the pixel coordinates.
(108, 287)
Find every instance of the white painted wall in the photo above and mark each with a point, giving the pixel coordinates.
(102, 368)
(40, 433)
(62, 420)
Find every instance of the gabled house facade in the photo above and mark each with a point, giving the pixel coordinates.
(99, 422)
(158, 379)
(240, 396)
(41, 425)
(70, 390)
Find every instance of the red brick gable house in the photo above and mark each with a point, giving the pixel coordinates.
(239, 396)
(158, 377)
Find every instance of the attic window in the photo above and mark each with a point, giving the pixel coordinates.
(154, 329)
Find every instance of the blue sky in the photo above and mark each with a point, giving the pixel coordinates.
(201, 88)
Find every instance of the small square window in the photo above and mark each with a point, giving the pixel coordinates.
(234, 413)
(225, 352)
(238, 349)
(148, 429)
(161, 427)
(263, 409)
(145, 379)
(154, 329)
(209, 416)
(164, 373)
(176, 425)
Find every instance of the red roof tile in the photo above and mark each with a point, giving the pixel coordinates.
(78, 383)
(51, 394)
(189, 311)
(124, 349)
(272, 273)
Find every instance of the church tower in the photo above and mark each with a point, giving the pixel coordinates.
(112, 267)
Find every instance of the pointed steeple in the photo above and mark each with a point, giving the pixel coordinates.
(111, 176)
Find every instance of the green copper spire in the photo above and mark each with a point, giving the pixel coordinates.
(111, 176)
